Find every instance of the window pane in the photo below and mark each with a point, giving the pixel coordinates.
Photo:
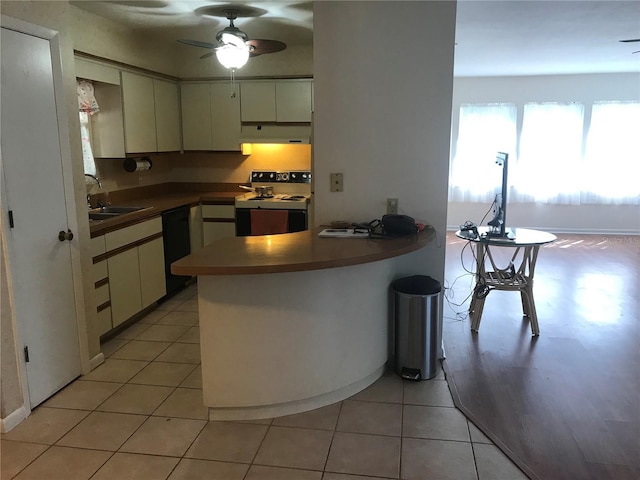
(612, 162)
(550, 153)
(484, 130)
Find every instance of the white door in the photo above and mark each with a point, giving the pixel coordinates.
(39, 264)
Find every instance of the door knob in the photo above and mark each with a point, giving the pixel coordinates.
(62, 235)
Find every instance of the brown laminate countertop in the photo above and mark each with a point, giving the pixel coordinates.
(293, 252)
(157, 204)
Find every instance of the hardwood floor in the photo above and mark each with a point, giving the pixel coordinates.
(566, 404)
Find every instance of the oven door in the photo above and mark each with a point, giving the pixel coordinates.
(297, 221)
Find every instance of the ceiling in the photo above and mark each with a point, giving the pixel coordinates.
(494, 38)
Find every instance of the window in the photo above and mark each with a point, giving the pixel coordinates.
(553, 158)
(483, 130)
(548, 166)
(611, 172)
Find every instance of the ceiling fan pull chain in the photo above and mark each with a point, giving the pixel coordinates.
(233, 84)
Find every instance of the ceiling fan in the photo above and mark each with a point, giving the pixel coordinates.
(234, 46)
(631, 40)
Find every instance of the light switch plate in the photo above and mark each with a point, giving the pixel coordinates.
(336, 182)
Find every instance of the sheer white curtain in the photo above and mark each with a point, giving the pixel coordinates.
(87, 105)
(611, 172)
(484, 130)
(548, 166)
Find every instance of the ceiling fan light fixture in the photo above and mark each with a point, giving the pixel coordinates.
(231, 39)
(233, 56)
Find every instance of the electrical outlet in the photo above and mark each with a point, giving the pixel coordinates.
(392, 205)
(336, 182)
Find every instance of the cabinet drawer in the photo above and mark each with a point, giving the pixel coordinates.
(99, 271)
(98, 246)
(101, 295)
(218, 211)
(125, 236)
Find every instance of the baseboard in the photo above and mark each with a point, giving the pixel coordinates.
(573, 231)
(13, 419)
(96, 361)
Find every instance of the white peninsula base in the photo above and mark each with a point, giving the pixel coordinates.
(284, 343)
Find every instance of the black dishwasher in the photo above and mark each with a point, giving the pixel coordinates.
(177, 244)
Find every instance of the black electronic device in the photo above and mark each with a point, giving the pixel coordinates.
(498, 223)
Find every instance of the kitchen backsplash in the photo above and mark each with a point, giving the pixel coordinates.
(215, 167)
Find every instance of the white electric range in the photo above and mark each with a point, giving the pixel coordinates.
(289, 191)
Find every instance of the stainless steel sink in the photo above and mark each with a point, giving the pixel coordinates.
(111, 211)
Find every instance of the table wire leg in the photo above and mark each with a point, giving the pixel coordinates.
(533, 316)
(476, 315)
(525, 303)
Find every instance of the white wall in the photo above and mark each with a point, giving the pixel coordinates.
(520, 90)
(383, 112)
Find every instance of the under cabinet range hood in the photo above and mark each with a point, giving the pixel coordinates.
(286, 134)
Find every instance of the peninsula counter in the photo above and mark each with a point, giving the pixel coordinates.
(292, 322)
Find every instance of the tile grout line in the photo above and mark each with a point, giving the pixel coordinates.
(333, 435)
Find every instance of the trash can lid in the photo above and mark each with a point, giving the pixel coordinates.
(417, 285)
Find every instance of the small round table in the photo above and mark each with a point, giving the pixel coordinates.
(489, 276)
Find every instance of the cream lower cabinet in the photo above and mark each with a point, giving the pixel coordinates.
(101, 294)
(152, 278)
(195, 227)
(218, 221)
(124, 285)
(135, 259)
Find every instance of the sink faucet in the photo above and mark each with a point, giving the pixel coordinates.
(88, 194)
(95, 178)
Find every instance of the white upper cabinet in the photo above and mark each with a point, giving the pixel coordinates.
(151, 110)
(258, 101)
(225, 116)
(196, 116)
(293, 101)
(139, 113)
(279, 101)
(210, 117)
(167, 107)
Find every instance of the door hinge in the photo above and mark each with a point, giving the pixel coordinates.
(26, 354)
(10, 218)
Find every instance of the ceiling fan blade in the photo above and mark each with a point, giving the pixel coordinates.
(197, 43)
(207, 55)
(261, 46)
(630, 40)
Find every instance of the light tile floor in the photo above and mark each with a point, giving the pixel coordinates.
(140, 416)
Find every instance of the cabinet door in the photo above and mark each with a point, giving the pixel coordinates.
(196, 116)
(293, 101)
(225, 117)
(104, 321)
(124, 285)
(107, 127)
(139, 113)
(195, 228)
(212, 231)
(167, 111)
(258, 101)
(152, 278)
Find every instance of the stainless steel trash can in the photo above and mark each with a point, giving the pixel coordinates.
(416, 312)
